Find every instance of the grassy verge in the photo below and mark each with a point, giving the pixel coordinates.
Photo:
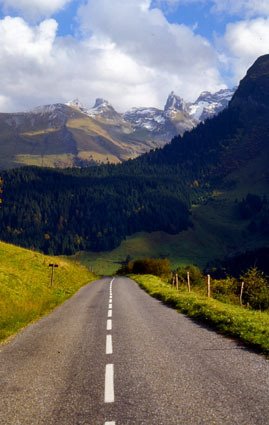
(251, 327)
(25, 291)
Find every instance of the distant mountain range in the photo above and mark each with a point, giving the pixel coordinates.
(66, 135)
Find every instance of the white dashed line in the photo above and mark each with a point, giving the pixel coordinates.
(109, 384)
(109, 325)
(109, 348)
(109, 375)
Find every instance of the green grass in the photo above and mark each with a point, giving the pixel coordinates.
(25, 292)
(251, 327)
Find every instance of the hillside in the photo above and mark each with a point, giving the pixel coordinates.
(195, 185)
(25, 285)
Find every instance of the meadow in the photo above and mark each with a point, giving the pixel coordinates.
(26, 292)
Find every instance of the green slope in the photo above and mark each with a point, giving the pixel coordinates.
(25, 286)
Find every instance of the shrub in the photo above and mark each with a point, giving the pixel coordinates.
(196, 276)
(226, 290)
(256, 290)
(154, 266)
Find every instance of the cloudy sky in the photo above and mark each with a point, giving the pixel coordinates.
(130, 52)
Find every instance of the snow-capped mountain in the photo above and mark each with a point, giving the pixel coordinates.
(174, 103)
(209, 104)
(147, 118)
(178, 116)
(72, 134)
(101, 109)
(162, 124)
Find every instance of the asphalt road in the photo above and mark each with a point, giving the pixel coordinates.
(126, 359)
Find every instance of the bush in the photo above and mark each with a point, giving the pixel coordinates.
(226, 290)
(154, 266)
(196, 276)
(256, 289)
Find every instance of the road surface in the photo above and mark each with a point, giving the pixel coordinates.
(112, 355)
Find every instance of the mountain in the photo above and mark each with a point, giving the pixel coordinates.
(162, 125)
(197, 188)
(208, 105)
(66, 135)
(178, 116)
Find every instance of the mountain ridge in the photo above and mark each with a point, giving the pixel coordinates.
(44, 135)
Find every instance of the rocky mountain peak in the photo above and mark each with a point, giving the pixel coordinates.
(101, 102)
(174, 102)
(102, 109)
(75, 104)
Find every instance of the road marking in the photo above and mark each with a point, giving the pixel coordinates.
(110, 423)
(109, 325)
(109, 348)
(109, 313)
(110, 305)
(109, 384)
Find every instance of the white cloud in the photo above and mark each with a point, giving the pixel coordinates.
(243, 42)
(129, 54)
(150, 40)
(247, 8)
(241, 8)
(37, 67)
(34, 9)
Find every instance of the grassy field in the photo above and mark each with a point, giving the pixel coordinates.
(25, 291)
(251, 327)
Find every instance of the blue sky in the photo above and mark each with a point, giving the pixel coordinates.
(131, 52)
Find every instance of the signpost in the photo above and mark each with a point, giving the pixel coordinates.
(52, 272)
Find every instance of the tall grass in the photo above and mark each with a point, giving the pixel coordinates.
(25, 290)
(251, 327)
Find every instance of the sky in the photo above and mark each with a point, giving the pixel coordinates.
(129, 52)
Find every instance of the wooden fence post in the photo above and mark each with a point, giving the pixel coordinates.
(177, 281)
(188, 281)
(241, 293)
(208, 286)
